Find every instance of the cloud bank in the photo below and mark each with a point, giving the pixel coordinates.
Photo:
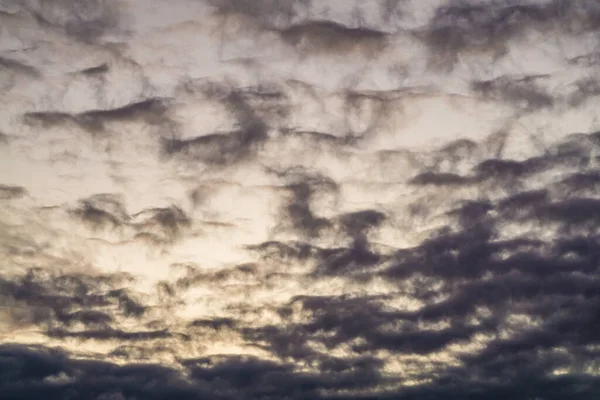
(297, 199)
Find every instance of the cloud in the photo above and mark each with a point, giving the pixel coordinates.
(11, 192)
(98, 70)
(521, 92)
(102, 209)
(304, 222)
(86, 21)
(314, 37)
(16, 66)
(149, 110)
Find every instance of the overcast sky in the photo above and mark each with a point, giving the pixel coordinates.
(299, 199)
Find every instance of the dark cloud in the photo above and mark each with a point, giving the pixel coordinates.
(108, 334)
(563, 157)
(552, 280)
(357, 223)
(38, 372)
(492, 292)
(10, 192)
(161, 224)
(218, 148)
(581, 213)
(225, 148)
(86, 317)
(355, 102)
(126, 303)
(586, 60)
(253, 377)
(583, 90)
(439, 179)
(282, 251)
(101, 210)
(30, 371)
(321, 140)
(216, 323)
(267, 13)
(47, 119)
(268, 101)
(345, 261)
(64, 300)
(19, 67)
(86, 20)
(521, 92)
(150, 111)
(391, 10)
(242, 272)
(522, 204)
(580, 184)
(318, 36)
(97, 70)
(500, 169)
(488, 28)
(304, 188)
(299, 210)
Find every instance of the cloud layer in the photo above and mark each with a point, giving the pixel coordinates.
(284, 199)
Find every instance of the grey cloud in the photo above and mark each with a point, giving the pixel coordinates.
(101, 210)
(84, 20)
(580, 184)
(86, 317)
(63, 300)
(392, 9)
(440, 179)
(268, 13)
(580, 213)
(268, 101)
(505, 169)
(150, 111)
(216, 323)
(107, 210)
(19, 67)
(283, 251)
(504, 259)
(224, 148)
(358, 222)
(344, 261)
(219, 148)
(299, 211)
(488, 28)
(10, 192)
(126, 303)
(521, 92)
(109, 334)
(163, 223)
(584, 89)
(314, 37)
(47, 119)
(98, 70)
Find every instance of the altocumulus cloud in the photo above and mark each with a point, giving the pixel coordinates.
(296, 199)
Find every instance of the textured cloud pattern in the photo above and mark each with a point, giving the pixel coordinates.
(299, 199)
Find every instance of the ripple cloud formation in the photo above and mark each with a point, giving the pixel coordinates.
(299, 199)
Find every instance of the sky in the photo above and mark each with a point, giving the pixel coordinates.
(299, 199)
